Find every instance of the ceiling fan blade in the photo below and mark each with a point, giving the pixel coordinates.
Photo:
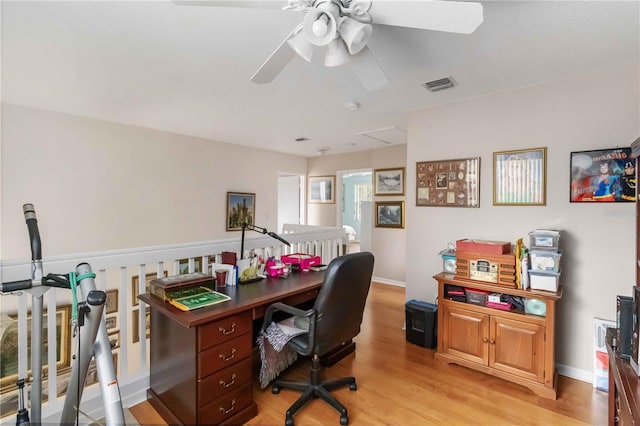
(259, 4)
(368, 70)
(276, 61)
(449, 16)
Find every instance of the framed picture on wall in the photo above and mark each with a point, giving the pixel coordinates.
(147, 285)
(322, 189)
(388, 181)
(604, 175)
(389, 214)
(520, 177)
(448, 183)
(9, 343)
(241, 208)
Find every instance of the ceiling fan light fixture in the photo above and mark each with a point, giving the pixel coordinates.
(355, 34)
(320, 27)
(301, 46)
(336, 53)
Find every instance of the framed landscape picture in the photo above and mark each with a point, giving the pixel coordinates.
(9, 344)
(390, 214)
(241, 208)
(388, 181)
(322, 189)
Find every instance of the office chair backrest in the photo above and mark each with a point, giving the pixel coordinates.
(340, 302)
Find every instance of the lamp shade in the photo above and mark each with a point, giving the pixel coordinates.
(301, 46)
(319, 27)
(355, 34)
(336, 53)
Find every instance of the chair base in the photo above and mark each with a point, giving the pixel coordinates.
(315, 389)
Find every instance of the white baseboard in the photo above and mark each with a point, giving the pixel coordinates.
(390, 282)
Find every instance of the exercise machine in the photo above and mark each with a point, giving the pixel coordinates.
(88, 327)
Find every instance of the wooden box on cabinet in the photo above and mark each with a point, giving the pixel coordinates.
(511, 345)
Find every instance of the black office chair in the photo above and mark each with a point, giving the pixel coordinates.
(334, 319)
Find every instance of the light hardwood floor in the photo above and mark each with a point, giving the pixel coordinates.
(401, 384)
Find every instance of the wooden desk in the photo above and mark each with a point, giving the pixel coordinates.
(201, 367)
(624, 388)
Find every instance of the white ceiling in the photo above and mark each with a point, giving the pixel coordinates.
(186, 69)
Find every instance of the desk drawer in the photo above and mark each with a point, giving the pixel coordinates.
(224, 355)
(225, 406)
(218, 384)
(223, 330)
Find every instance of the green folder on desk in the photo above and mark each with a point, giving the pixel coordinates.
(194, 298)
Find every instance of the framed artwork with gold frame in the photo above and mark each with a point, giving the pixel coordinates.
(9, 344)
(322, 189)
(519, 177)
(135, 280)
(389, 214)
(448, 183)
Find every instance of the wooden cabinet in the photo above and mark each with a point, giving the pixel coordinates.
(511, 345)
(624, 388)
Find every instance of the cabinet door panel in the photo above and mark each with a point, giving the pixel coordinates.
(518, 348)
(466, 334)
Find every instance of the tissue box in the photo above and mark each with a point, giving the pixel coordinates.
(306, 261)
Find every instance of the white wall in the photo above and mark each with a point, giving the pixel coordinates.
(584, 113)
(100, 186)
(388, 244)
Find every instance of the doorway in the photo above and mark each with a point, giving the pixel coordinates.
(290, 196)
(354, 212)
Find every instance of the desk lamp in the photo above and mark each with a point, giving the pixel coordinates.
(261, 230)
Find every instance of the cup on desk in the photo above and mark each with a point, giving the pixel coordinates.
(221, 277)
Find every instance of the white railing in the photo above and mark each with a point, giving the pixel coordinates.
(118, 272)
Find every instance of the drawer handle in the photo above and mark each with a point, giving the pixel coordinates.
(227, 411)
(485, 340)
(493, 342)
(227, 358)
(226, 385)
(225, 331)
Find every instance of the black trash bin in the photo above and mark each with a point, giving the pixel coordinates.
(421, 318)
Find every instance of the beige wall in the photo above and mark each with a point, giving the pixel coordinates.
(100, 186)
(598, 240)
(388, 245)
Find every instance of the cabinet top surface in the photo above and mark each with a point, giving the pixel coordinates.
(243, 297)
(447, 278)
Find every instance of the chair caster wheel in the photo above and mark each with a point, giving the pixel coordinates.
(353, 387)
(275, 390)
(344, 420)
(288, 421)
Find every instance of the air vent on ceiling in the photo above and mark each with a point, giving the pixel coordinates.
(302, 139)
(441, 84)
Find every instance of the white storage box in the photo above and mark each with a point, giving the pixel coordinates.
(544, 280)
(545, 261)
(543, 239)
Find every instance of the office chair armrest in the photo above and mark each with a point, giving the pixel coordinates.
(278, 306)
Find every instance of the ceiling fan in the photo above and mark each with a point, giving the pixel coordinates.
(344, 27)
